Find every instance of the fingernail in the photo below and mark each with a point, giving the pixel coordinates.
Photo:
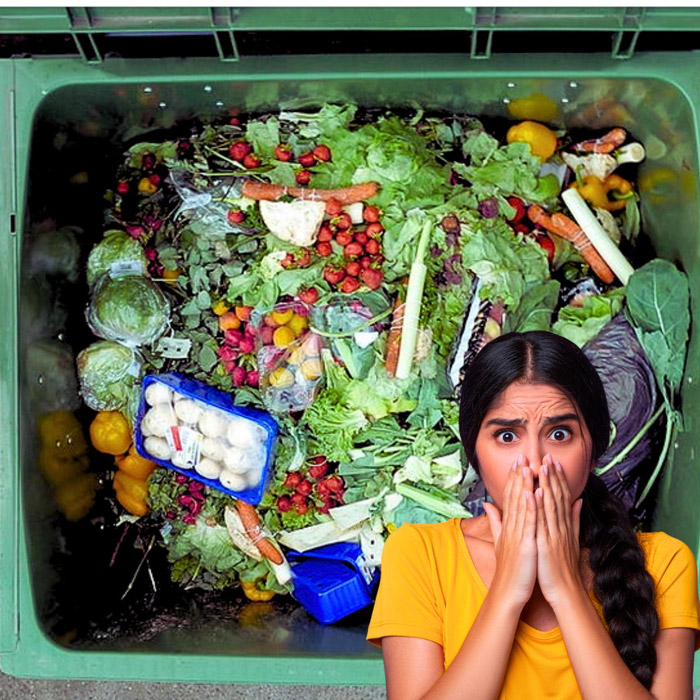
(521, 459)
(548, 459)
(540, 492)
(515, 466)
(558, 466)
(545, 469)
(526, 472)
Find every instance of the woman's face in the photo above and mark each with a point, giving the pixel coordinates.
(499, 444)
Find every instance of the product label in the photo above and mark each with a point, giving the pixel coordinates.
(122, 268)
(174, 348)
(186, 443)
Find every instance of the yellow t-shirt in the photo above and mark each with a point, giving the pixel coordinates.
(430, 588)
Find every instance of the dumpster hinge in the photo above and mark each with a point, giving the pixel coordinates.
(80, 22)
(482, 33)
(223, 20)
(625, 40)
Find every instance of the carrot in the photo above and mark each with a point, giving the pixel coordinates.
(563, 226)
(393, 341)
(345, 195)
(605, 144)
(251, 523)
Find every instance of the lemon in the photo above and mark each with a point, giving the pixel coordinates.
(281, 378)
(282, 317)
(298, 324)
(537, 107)
(283, 336)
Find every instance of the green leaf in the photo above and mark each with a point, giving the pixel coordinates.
(658, 298)
(581, 323)
(534, 313)
(207, 358)
(203, 300)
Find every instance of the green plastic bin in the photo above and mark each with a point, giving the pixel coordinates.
(63, 66)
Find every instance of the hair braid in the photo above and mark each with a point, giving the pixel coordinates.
(616, 556)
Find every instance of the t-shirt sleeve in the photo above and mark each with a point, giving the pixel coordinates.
(405, 604)
(676, 578)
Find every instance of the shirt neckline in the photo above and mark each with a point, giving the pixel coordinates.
(528, 630)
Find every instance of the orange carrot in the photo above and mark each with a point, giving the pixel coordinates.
(393, 341)
(345, 195)
(563, 226)
(605, 144)
(251, 523)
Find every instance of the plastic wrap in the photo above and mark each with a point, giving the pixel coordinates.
(108, 373)
(130, 310)
(117, 254)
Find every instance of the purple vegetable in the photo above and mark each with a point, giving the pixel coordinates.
(488, 208)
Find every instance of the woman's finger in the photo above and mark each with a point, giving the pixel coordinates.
(550, 506)
(521, 511)
(564, 498)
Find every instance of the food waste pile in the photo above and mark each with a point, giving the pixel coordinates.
(281, 309)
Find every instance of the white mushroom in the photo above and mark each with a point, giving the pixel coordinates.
(188, 411)
(212, 423)
(179, 459)
(233, 481)
(158, 419)
(236, 460)
(253, 477)
(242, 433)
(212, 448)
(157, 447)
(156, 393)
(208, 468)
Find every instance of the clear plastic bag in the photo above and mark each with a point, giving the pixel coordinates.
(131, 310)
(289, 357)
(207, 209)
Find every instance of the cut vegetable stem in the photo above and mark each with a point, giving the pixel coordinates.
(414, 296)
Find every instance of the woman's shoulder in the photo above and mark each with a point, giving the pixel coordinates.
(660, 548)
(432, 535)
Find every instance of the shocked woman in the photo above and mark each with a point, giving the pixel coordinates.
(550, 594)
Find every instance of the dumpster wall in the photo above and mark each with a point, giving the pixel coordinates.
(115, 102)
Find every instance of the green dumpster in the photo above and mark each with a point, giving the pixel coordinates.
(107, 71)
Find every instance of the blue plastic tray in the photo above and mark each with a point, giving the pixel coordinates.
(217, 399)
(334, 581)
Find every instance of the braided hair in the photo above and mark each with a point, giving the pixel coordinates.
(623, 586)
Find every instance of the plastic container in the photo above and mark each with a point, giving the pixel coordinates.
(111, 94)
(203, 396)
(333, 582)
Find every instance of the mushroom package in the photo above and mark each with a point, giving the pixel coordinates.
(190, 434)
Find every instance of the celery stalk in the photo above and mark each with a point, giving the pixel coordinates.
(414, 297)
(433, 499)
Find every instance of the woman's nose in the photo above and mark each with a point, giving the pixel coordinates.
(536, 460)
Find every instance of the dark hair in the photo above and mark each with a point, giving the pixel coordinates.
(621, 582)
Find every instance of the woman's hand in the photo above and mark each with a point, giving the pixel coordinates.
(558, 524)
(514, 537)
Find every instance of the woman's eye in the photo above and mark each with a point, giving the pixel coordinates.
(557, 433)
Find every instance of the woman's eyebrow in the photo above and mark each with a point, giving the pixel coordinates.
(518, 422)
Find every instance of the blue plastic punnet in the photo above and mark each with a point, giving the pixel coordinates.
(208, 398)
(334, 581)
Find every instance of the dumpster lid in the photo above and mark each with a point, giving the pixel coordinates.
(97, 33)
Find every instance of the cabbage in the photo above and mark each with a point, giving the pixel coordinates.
(130, 310)
(108, 373)
(632, 393)
(117, 253)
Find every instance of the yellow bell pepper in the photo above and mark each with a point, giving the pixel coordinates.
(135, 465)
(595, 191)
(252, 591)
(61, 432)
(74, 498)
(110, 432)
(134, 505)
(138, 488)
(542, 141)
(538, 107)
(57, 469)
